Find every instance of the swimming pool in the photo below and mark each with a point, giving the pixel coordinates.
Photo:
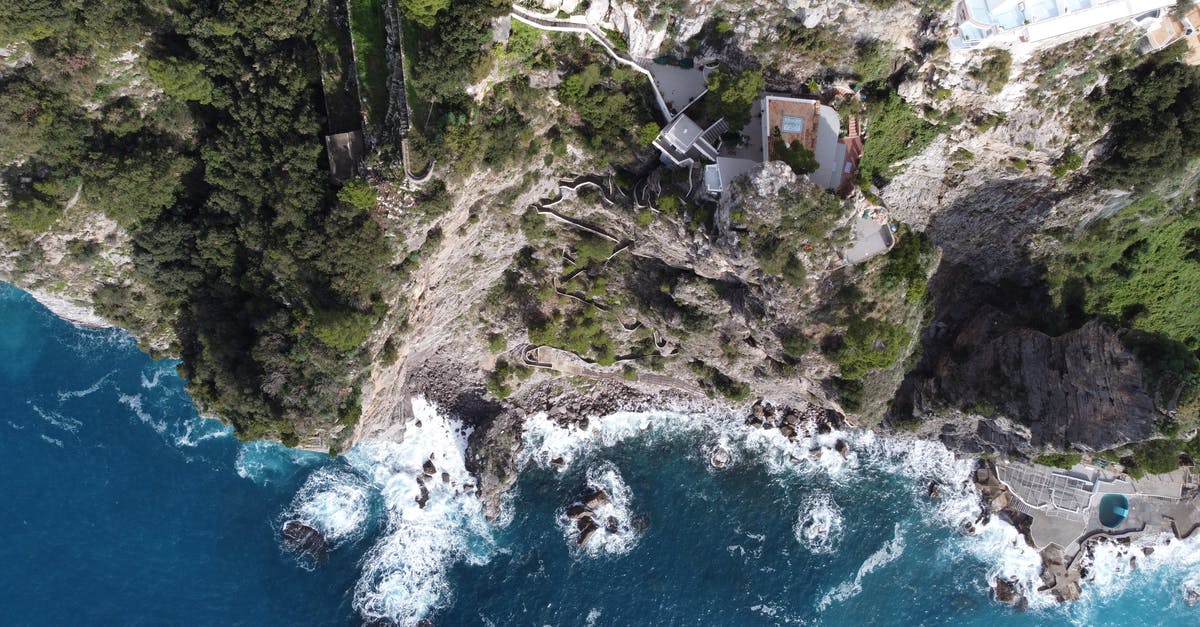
(1113, 510)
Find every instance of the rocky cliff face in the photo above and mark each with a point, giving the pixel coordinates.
(1080, 389)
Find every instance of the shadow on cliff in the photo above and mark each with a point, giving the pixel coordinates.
(997, 343)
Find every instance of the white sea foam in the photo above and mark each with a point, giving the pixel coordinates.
(265, 462)
(199, 429)
(65, 423)
(404, 575)
(1113, 569)
(152, 382)
(820, 525)
(55, 441)
(335, 502)
(884, 555)
(91, 389)
(995, 543)
(605, 476)
(134, 403)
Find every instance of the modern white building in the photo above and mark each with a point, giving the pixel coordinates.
(681, 142)
(1031, 21)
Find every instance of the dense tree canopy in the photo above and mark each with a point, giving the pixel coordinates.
(1155, 123)
(732, 94)
(272, 282)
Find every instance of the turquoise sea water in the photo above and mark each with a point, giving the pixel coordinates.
(123, 507)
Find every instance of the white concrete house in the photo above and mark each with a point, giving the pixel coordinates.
(986, 22)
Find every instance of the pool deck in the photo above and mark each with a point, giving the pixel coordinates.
(1064, 504)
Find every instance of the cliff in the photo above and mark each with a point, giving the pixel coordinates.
(1083, 388)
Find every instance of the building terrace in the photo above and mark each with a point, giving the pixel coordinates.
(1031, 21)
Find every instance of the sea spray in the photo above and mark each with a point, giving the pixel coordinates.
(958, 508)
(820, 526)
(615, 532)
(433, 518)
(334, 501)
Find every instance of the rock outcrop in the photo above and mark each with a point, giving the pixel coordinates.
(304, 540)
(1081, 388)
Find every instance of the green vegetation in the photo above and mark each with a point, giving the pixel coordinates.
(1068, 162)
(1141, 268)
(907, 263)
(870, 344)
(647, 133)
(498, 381)
(895, 132)
(184, 80)
(1157, 456)
(424, 12)
(713, 380)
(1155, 123)
(602, 96)
(358, 194)
(271, 284)
(731, 95)
(1058, 460)
(874, 60)
(994, 70)
(799, 158)
(822, 44)
(367, 27)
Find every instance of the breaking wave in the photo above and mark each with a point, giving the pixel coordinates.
(615, 530)
(335, 502)
(433, 518)
(820, 526)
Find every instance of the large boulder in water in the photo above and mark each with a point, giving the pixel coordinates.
(594, 498)
(587, 527)
(305, 540)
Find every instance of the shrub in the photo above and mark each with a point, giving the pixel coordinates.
(994, 70)
(358, 194)
(342, 330)
(1154, 121)
(894, 133)
(1058, 460)
(732, 94)
(647, 133)
(870, 344)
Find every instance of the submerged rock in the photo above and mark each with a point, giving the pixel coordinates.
(720, 457)
(303, 539)
(935, 490)
(842, 448)
(611, 525)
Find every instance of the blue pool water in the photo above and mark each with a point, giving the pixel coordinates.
(123, 507)
(1113, 509)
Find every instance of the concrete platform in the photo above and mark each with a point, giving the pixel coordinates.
(1064, 504)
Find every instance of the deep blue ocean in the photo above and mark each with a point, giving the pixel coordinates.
(122, 506)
